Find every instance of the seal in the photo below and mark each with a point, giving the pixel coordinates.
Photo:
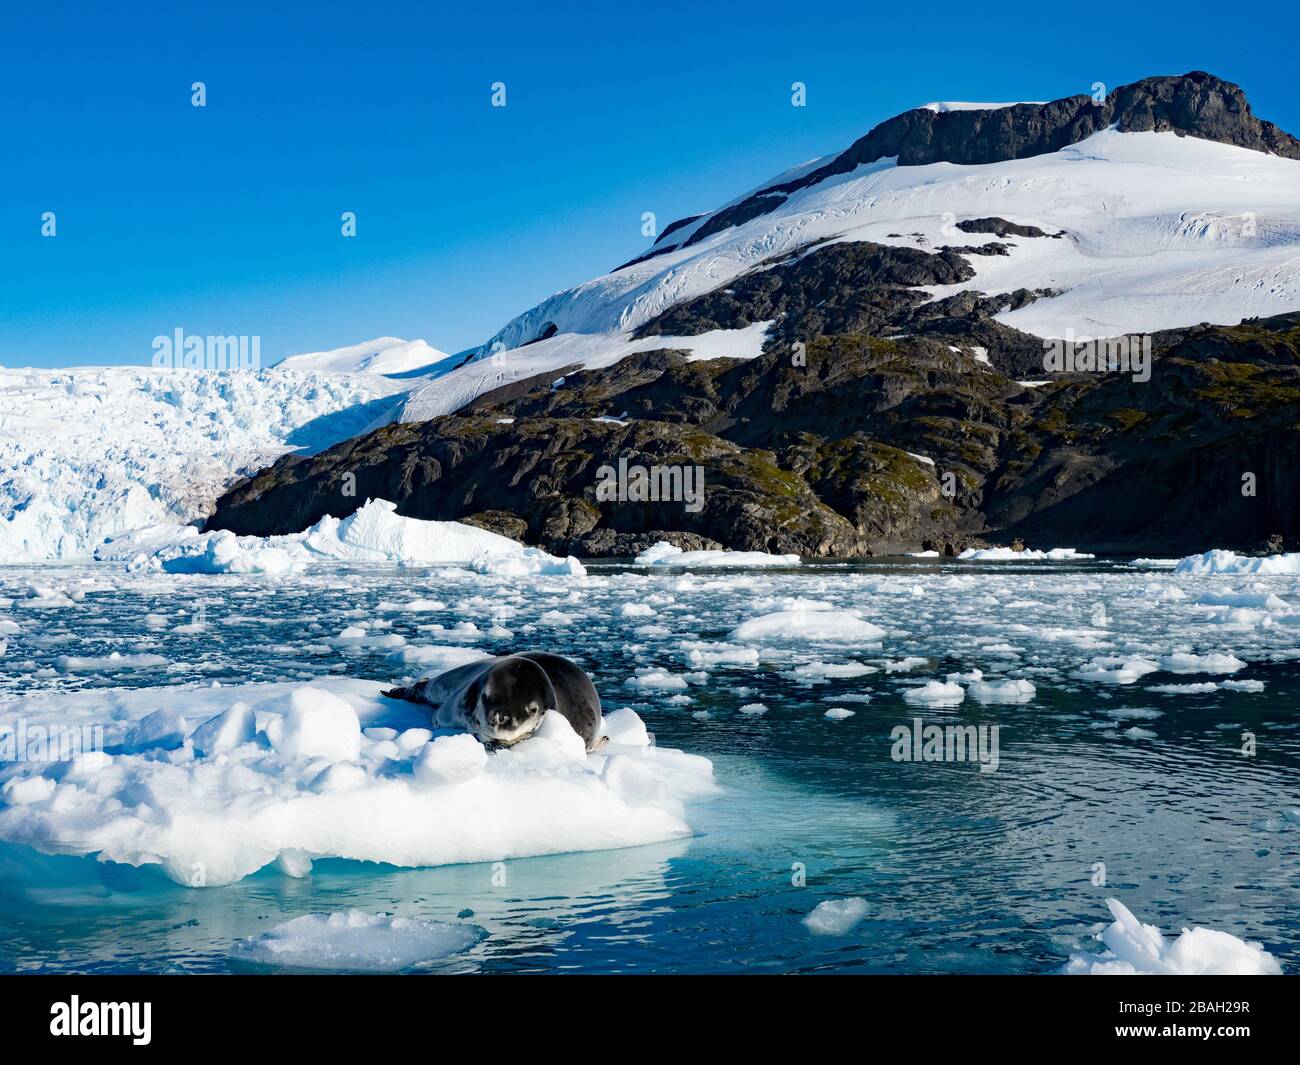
(503, 700)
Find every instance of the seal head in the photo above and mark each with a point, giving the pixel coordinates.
(512, 698)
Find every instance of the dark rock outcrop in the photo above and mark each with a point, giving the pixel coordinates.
(822, 458)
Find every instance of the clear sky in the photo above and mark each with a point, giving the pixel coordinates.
(225, 219)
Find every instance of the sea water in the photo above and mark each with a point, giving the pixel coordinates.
(1180, 802)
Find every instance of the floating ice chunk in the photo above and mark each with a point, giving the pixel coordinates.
(1259, 600)
(754, 709)
(1133, 948)
(804, 624)
(528, 562)
(1189, 663)
(1231, 562)
(113, 663)
(935, 693)
(665, 554)
(224, 552)
(356, 942)
(436, 658)
(839, 713)
(836, 917)
(318, 725)
(295, 796)
(720, 654)
(1011, 691)
(1136, 733)
(1116, 670)
(1006, 554)
(822, 672)
(657, 680)
(1242, 685)
(636, 610)
(450, 760)
(374, 533)
(905, 665)
(1185, 689)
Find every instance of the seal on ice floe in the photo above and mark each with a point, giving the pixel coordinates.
(503, 700)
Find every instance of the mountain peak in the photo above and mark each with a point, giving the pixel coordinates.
(1195, 104)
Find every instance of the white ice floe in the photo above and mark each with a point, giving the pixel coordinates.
(811, 673)
(665, 554)
(935, 693)
(1007, 554)
(839, 713)
(111, 663)
(802, 623)
(1183, 662)
(375, 533)
(1184, 689)
(212, 784)
(356, 942)
(650, 679)
(1231, 562)
(1115, 669)
(1133, 948)
(836, 917)
(905, 665)
(1010, 691)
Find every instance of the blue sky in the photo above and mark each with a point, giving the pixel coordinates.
(226, 219)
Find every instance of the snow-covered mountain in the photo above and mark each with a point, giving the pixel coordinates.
(1166, 204)
(1172, 203)
(386, 356)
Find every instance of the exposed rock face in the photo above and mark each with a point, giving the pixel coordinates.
(868, 445)
(864, 288)
(1196, 104)
(1000, 227)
